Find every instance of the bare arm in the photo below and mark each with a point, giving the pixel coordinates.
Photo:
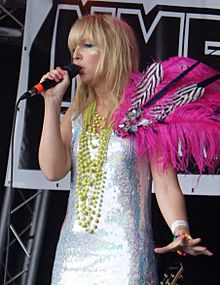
(169, 196)
(172, 205)
(54, 150)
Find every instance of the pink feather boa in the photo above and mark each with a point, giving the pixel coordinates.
(194, 126)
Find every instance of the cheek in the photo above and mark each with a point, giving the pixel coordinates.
(93, 51)
(94, 60)
(94, 54)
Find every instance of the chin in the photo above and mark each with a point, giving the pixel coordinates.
(88, 82)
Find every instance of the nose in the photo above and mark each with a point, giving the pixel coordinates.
(77, 56)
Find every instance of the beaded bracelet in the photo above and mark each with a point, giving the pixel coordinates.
(183, 235)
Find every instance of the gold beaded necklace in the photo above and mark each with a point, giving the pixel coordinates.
(91, 174)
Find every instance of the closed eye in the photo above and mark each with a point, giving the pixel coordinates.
(88, 45)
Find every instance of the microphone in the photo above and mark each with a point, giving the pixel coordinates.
(72, 69)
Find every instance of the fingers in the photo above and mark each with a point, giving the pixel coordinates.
(58, 90)
(161, 250)
(55, 74)
(192, 242)
(191, 247)
(198, 250)
(185, 246)
(172, 247)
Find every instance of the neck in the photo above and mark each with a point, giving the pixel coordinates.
(103, 103)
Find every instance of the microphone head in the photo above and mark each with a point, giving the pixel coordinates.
(72, 69)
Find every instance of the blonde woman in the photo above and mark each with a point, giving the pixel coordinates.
(106, 237)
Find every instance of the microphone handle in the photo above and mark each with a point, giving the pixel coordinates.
(43, 86)
(72, 69)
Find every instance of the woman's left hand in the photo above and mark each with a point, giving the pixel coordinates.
(185, 245)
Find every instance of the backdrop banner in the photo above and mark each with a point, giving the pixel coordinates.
(163, 28)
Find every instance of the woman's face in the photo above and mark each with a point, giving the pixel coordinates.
(87, 56)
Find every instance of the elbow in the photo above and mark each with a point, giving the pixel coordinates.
(54, 170)
(53, 174)
(51, 177)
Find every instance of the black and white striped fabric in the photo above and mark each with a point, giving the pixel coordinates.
(152, 77)
(184, 95)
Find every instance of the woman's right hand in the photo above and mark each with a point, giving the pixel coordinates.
(62, 78)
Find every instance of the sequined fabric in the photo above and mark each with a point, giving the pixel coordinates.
(120, 251)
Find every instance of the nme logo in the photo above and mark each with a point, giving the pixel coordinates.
(194, 34)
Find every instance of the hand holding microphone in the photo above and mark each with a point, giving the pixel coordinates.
(48, 83)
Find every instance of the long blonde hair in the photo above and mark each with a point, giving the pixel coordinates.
(118, 46)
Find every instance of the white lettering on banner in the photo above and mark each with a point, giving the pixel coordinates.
(212, 48)
(159, 16)
(202, 17)
(150, 4)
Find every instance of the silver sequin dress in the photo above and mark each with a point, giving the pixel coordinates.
(120, 251)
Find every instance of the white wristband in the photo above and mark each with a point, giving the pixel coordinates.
(178, 223)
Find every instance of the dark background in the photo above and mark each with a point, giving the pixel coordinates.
(203, 211)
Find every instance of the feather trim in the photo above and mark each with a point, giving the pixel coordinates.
(182, 126)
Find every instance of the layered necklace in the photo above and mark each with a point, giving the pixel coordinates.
(91, 173)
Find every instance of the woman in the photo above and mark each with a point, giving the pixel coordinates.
(106, 237)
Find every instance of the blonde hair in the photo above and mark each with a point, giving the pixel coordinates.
(118, 47)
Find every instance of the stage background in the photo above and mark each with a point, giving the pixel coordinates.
(164, 29)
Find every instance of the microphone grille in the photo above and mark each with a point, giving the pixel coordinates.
(72, 69)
